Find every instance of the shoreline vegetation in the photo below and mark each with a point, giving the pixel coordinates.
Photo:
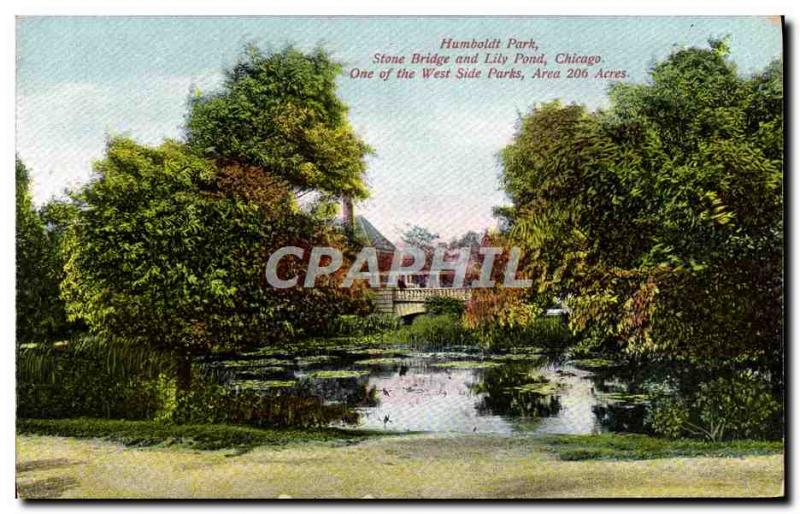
(607, 446)
(198, 437)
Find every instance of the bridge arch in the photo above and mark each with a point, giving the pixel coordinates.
(404, 303)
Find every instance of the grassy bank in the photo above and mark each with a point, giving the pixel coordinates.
(201, 437)
(642, 447)
(214, 437)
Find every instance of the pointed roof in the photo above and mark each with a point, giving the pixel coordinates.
(372, 235)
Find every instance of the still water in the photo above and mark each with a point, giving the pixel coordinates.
(452, 390)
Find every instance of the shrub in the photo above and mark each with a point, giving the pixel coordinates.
(353, 325)
(550, 333)
(442, 330)
(83, 378)
(726, 408)
(668, 416)
(437, 305)
(737, 408)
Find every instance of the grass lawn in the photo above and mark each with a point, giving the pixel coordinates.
(642, 447)
(200, 437)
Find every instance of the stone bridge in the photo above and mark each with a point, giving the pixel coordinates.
(410, 302)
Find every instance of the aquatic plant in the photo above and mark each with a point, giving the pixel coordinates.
(381, 361)
(542, 388)
(592, 364)
(338, 373)
(466, 364)
(263, 384)
(436, 331)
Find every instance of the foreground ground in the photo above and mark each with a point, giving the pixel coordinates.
(412, 466)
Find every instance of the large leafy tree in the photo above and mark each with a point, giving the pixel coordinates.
(279, 111)
(659, 221)
(40, 311)
(169, 245)
(168, 252)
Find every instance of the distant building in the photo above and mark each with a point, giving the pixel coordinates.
(366, 231)
(363, 230)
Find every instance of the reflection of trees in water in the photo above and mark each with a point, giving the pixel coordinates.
(619, 415)
(503, 398)
(310, 402)
(352, 391)
(313, 403)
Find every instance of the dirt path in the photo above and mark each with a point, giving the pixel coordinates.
(418, 466)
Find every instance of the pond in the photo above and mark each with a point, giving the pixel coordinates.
(456, 389)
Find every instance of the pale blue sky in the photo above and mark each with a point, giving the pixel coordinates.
(81, 79)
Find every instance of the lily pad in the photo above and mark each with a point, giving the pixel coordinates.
(265, 351)
(314, 359)
(623, 397)
(378, 351)
(264, 384)
(443, 355)
(516, 357)
(525, 349)
(543, 388)
(338, 373)
(261, 371)
(465, 364)
(594, 363)
(254, 363)
(383, 361)
(535, 376)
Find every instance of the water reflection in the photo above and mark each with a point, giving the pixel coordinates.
(456, 390)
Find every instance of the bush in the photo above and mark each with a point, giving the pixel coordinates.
(353, 325)
(442, 330)
(437, 305)
(82, 378)
(737, 408)
(726, 408)
(550, 333)
(668, 416)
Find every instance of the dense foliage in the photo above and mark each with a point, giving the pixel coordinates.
(436, 305)
(279, 111)
(40, 311)
(84, 377)
(739, 407)
(659, 221)
(168, 251)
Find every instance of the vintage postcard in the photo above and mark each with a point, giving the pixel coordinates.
(399, 257)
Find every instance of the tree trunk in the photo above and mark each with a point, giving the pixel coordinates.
(183, 374)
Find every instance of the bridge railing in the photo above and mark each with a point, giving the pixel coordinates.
(422, 294)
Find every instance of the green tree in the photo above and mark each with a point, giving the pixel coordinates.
(659, 221)
(40, 311)
(279, 111)
(420, 237)
(168, 253)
